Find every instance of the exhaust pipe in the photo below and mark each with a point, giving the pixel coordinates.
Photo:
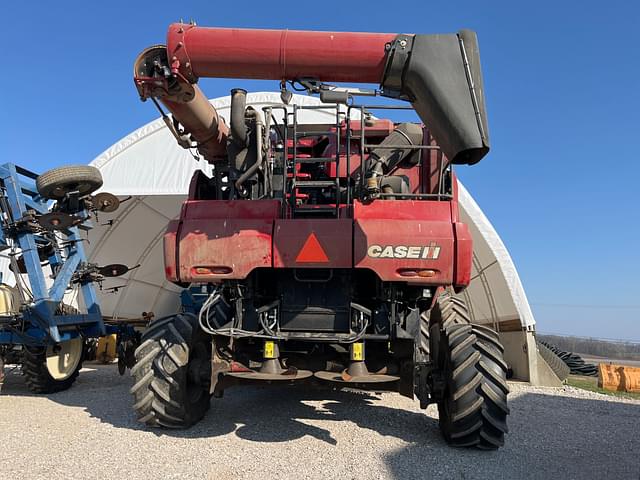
(238, 126)
(245, 152)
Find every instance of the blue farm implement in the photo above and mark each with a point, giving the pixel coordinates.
(51, 309)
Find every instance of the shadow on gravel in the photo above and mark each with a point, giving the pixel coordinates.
(550, 436)
(260, 414)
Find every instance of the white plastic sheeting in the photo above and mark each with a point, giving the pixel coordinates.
(149, 161)
(495, 294)
(150, 167)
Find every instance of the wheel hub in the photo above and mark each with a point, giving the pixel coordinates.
(63, 359)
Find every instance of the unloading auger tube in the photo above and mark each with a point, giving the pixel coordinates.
(439, 74)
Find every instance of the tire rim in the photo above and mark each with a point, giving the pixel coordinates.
(63, 359)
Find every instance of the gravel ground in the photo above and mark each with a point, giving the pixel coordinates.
(90, 432)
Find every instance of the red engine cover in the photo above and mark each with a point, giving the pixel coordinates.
(219, 239)
(404, 240)
(417, 242)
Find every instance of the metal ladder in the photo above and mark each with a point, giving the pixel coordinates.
(296, 159)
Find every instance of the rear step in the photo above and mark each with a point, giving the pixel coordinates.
(332, 337)
(314, 134)
(314, 183)
(316, 209)
(315, 159)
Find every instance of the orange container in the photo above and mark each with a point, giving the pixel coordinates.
(619, 378)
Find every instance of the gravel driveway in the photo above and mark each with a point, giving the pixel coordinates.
(90, 432)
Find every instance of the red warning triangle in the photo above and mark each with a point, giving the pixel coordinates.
(312, 251)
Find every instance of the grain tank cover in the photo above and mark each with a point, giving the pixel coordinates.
(441, 76)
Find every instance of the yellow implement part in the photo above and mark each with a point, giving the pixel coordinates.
(106, 350)
(9, 300)
(619, 378)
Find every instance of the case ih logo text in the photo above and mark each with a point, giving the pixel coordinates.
(429, 252)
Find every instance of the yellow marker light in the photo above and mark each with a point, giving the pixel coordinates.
(269, 349)
(357, 352)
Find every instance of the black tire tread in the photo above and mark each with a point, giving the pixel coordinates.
(37, 377)
(476, 385)
(451, 311)
(160, 371)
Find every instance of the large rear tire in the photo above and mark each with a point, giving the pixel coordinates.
(473, 409)
(448, 310)
(172, 373)
(52, 369)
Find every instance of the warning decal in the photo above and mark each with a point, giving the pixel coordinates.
(312, 251)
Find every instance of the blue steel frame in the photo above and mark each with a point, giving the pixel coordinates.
(40, 323)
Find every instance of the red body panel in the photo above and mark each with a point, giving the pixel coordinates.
(395, 236)
(276, 54)
(170, 244)
(219, 240)
(403, 210)
(225, 209)
(416, 242)
(463, 256)
(333, 236)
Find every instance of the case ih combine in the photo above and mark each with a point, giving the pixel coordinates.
(324, 253)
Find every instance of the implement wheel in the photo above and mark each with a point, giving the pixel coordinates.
(54, 368)
(172, 373)
(469, 360)
(55, 184)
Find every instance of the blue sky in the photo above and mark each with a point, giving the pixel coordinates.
(562, 84)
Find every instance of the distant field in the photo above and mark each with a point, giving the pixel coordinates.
(616, 361)
(595, 348)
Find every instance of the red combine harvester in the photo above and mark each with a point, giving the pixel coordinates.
(324, 253)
